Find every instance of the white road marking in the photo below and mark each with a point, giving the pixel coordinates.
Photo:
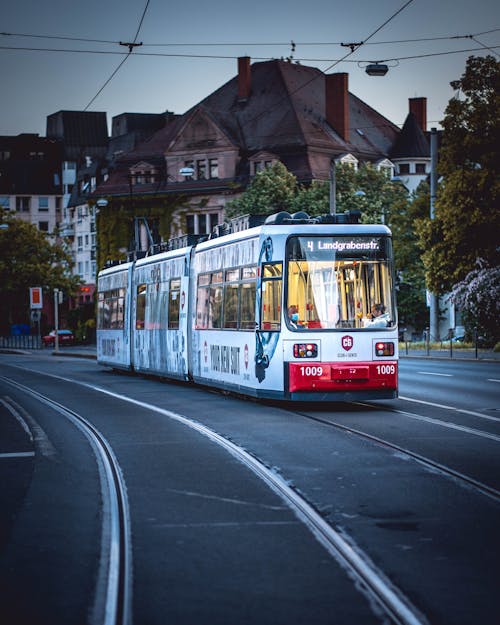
(451, 426)
(18, 454)
(443, 375)
(445, 407)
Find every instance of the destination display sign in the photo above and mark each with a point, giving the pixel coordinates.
(369, 247)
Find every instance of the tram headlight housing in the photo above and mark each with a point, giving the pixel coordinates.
(305, 350)
(384, 348)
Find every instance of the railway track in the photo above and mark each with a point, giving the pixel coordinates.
(375, 586)
(466, 480)
(114, 580)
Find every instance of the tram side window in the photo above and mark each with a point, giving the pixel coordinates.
(231, 299)
(140, 307)
(215, 303)
(102, 311)
(247, 306)
(229, 304)
(174, 299)
(272, 275)
(202, 301)
(111, 309)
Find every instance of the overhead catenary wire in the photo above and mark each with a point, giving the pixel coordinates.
(120, 65)
(198, 44)
(255, 58)
(348, 54)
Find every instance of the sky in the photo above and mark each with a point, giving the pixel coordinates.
(190, 49)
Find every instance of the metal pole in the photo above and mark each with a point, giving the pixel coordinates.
(56, 319)
(434, 301)
(333, 188)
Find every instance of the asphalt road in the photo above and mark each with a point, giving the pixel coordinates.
(211, 541)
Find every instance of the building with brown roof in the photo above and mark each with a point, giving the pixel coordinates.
(270, 111)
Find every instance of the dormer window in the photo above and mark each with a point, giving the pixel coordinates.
(349, 159)
(261, 161)
(143, 173)
(404, 168)
(386, 167)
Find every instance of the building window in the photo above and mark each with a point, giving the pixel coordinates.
(257, 166)
(404, 168)
(43, 204)
(4, 155)
(43, 226)
(214, 220)
(5, 202)
(420, 168)
(80, 243)
(201, 170)
(213, 167)
(201, 223)
(23, 204)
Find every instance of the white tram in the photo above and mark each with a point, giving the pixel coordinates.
(278, 311)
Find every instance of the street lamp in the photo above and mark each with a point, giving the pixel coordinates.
(187, 172)
(102, 202)
(376, 69)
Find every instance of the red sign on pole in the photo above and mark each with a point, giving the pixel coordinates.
(36, 301)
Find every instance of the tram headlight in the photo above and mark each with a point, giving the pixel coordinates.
(305, 350)
(384, 348)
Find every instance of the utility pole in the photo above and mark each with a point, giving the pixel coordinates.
(433, 298)
(57, 300)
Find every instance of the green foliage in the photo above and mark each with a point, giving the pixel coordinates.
(478, 297)
(410, 273)
(115, 223)
(271, 190)
(29, 258)
(467, 216)
(381, 200)
(313, 200)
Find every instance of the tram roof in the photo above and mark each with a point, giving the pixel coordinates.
(296, 229)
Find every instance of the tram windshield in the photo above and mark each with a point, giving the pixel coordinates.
(340, 282)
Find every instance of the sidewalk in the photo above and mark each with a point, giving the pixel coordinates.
(453, 354)
(90, 351)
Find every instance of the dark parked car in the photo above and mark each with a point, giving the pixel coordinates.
(66, 337)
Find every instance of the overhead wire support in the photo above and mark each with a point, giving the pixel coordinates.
(130, 46)
(353, 46)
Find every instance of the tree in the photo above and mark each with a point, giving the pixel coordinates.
(467, 217)
(272, 190)
(28, 258)
(366, 189)
(478, 298)
(410, 272)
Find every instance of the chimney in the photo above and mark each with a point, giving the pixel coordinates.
(418, 106)
(337, 103)
(244, 77)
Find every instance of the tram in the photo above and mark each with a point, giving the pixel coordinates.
(297, 308)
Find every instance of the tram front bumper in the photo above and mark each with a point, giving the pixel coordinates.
(344, 377)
